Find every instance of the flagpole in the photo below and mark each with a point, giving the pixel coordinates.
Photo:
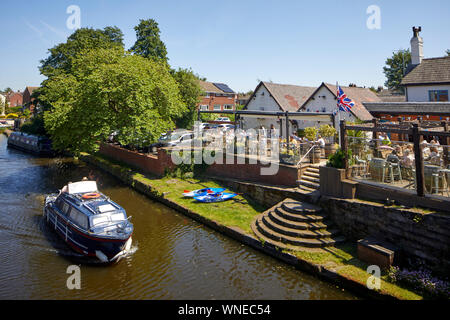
(339, 116)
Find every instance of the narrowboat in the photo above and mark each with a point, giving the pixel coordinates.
(89, 222)
(30, 143)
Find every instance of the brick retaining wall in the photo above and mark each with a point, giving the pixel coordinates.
(146, 162)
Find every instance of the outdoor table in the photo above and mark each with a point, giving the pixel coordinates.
(378, 169)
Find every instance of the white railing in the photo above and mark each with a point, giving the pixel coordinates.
(304, 156)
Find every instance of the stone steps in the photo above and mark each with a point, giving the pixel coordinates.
(296, 225)
(305, 233)
(298, 217)
(310, 178)
(296, 241)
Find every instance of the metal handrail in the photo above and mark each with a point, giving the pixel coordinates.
(306, 154)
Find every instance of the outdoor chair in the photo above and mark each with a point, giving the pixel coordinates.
(362, 167)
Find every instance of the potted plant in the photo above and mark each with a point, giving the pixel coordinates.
(311, 134)
(287, 156)
(333, 173)
(328, 132)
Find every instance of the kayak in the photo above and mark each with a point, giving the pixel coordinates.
(215, 197)
(202, 192)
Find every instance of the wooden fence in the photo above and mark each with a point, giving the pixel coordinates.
(416, 130)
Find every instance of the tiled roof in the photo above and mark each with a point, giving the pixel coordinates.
(210, 87)
(289, 97)
(358, 95)
(429, 71)
(409, 107)
(387, 95)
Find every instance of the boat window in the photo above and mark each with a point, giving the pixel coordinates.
(99, 220)
(118, 216)
(107, 218)
(79, 218)
(65, 208)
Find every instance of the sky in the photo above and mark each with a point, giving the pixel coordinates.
(236, 42)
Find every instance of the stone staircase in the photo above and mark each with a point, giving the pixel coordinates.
(310, 180)
(295, 225)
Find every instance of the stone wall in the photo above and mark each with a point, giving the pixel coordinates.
(414, 233)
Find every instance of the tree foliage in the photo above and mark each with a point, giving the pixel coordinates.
(148, 43)
(61, 55)
(395, 69)
(108, 90)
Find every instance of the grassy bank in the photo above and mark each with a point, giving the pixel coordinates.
(240, 212)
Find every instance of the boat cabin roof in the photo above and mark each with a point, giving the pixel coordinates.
(82, 187)
(100, 205)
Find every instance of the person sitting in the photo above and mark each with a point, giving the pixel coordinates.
(407, 159)
(434, 157)
(393, 157)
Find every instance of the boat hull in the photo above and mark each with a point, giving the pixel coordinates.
(106, 249)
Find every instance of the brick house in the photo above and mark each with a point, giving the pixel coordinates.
(27, 100)
(218, 97)
(14, 99)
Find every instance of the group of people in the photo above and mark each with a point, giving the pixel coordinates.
(432, 153)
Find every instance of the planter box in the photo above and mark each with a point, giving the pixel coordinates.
(331, 181)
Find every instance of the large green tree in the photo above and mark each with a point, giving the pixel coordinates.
(395, 69)
(61, 55)
(107, 90)
(148, 43)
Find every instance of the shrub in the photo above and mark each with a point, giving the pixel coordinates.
(327, 130)
(337, 160)
(421, 280)
(311, 133)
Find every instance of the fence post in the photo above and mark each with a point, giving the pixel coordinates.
(444, 141)
(287, 131)
(344, 145)
(375, 137)
(418, 155)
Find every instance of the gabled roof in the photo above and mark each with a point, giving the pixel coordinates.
(358, 95)
(211, 87)
(30, 89)
(288, 97)
(429, 71)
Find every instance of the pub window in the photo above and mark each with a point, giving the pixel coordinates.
(438, 95)
(217, 107)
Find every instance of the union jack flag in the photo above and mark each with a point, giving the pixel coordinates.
(344, 103)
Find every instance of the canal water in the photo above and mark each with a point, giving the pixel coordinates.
(173, 257)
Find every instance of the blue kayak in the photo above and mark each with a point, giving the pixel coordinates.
(202, 192)
(216, 197)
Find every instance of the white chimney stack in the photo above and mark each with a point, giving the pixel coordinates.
(416, 47)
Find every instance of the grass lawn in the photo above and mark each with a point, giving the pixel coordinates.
(240, 212)
(237, 212)
(343, 260)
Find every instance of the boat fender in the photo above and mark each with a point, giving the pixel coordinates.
(128, 245)
(102, 257)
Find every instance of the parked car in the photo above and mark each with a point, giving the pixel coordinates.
(226, 126)
(173, 139)
(223, 119)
